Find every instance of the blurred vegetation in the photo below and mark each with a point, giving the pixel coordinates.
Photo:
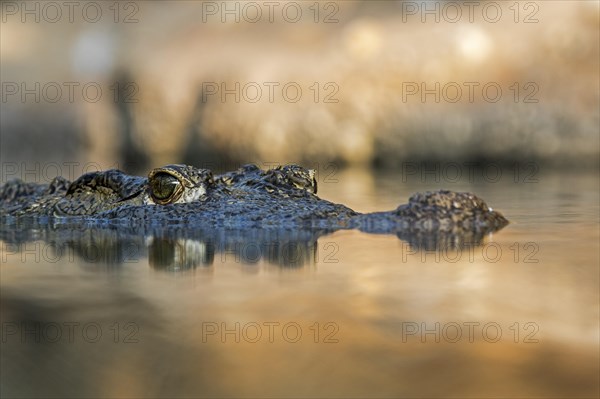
(158, 73)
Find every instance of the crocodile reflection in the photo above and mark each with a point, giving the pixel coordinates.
(179, 254)
(175, 249)
(185, 254)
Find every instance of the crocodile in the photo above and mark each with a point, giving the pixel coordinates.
(247, 198)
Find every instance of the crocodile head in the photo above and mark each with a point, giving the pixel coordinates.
(248, 197)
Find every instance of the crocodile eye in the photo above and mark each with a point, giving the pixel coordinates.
(165, 188)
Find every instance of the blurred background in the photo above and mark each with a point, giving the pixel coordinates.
(384, 99)
(358, 83)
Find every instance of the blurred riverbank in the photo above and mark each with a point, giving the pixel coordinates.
(351, 83)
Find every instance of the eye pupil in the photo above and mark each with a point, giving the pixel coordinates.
(163, 186)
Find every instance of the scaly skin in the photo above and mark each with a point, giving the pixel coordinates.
(284, 197)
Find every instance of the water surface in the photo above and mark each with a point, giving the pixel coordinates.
(274, 313)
